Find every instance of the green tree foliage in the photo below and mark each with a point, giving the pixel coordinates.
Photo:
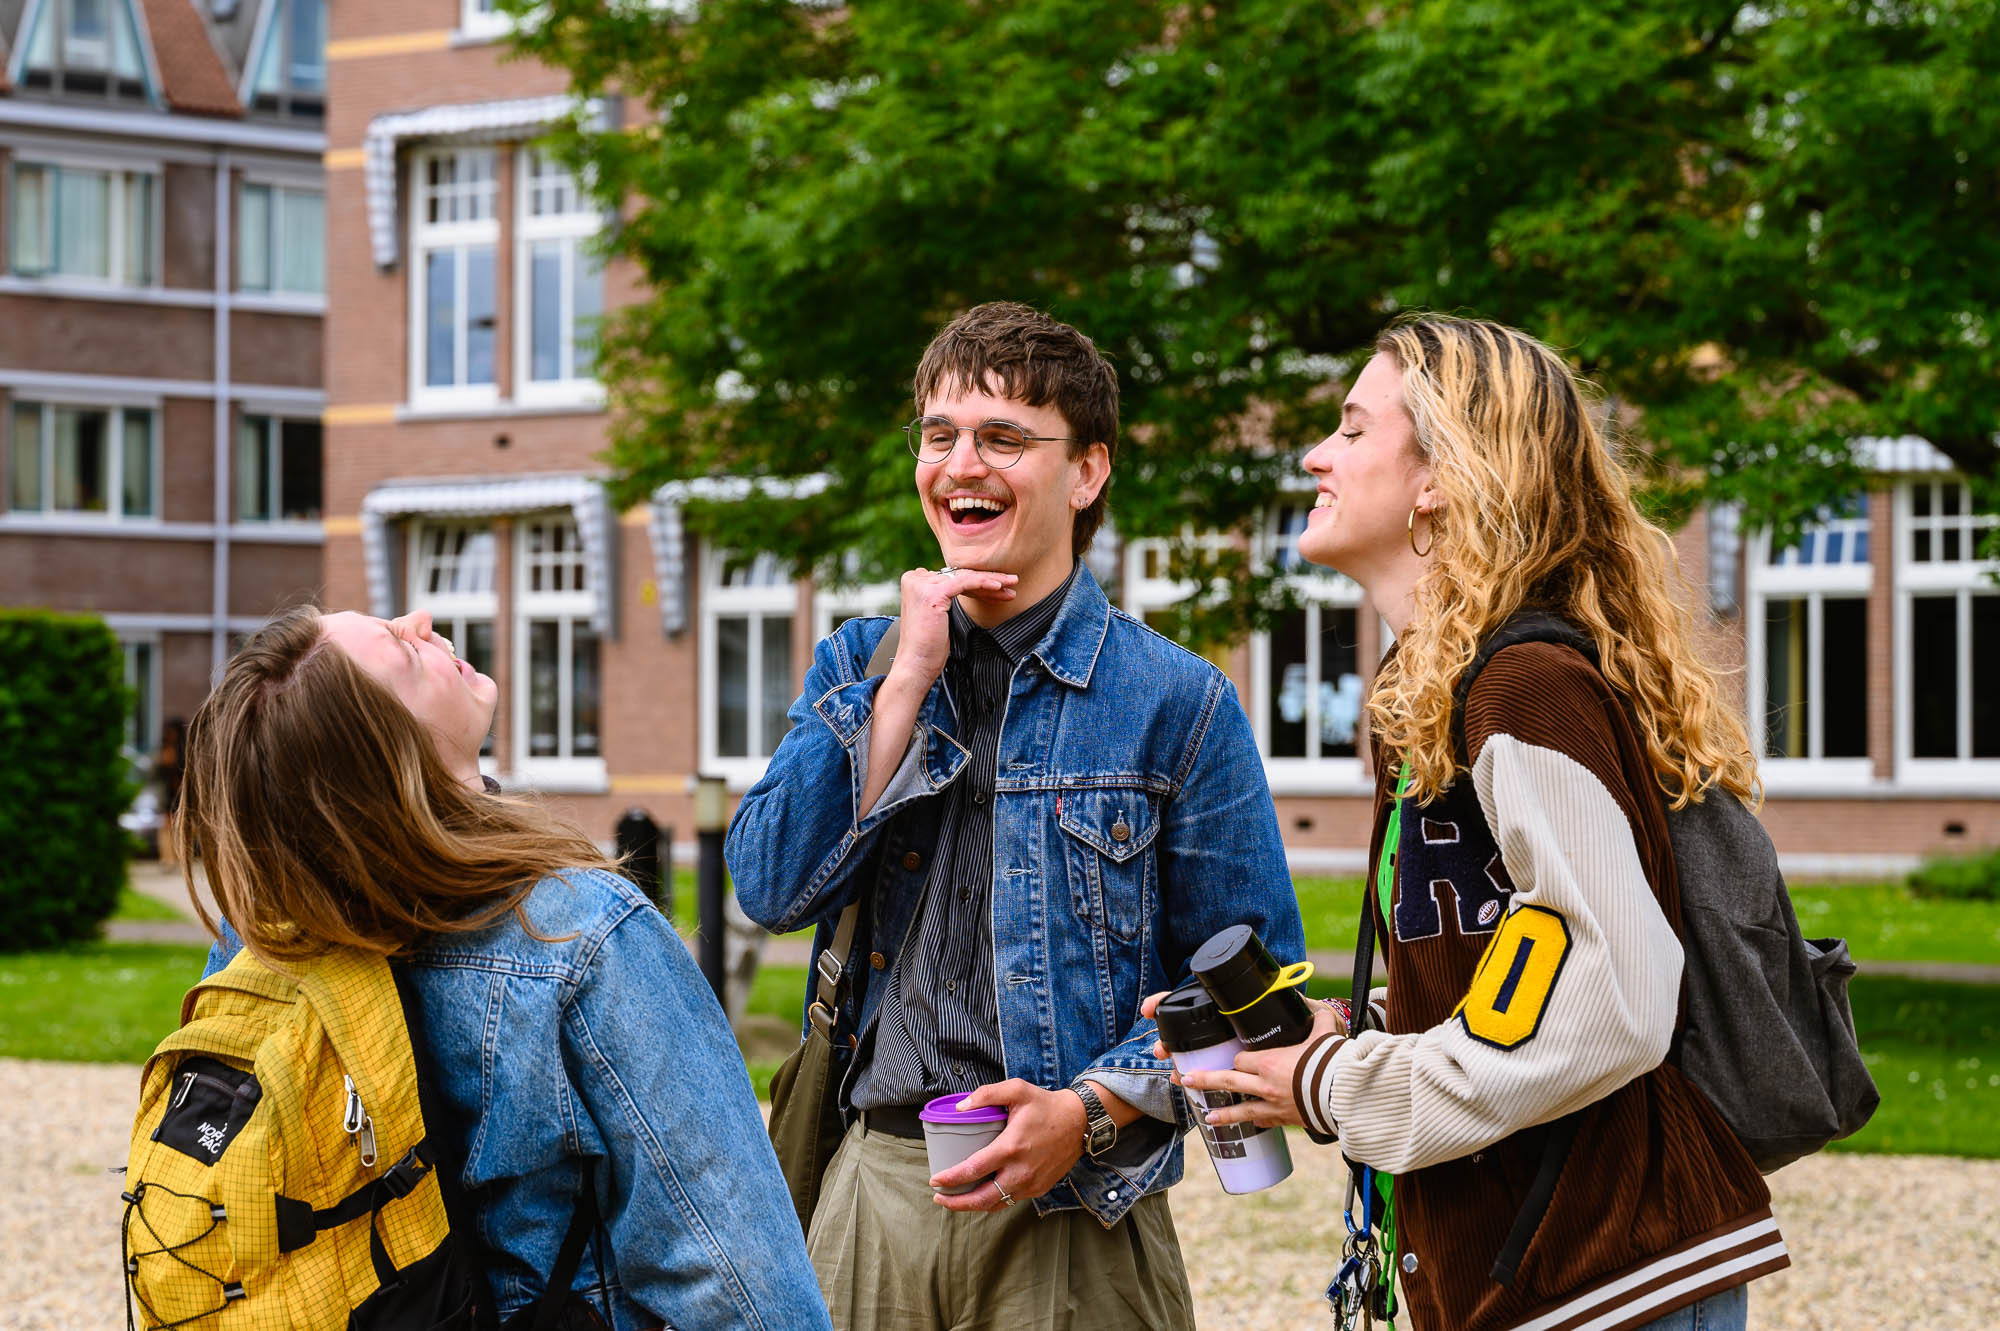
(1764, 230)
(63, 780)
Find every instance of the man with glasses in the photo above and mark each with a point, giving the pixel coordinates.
(1043, 808)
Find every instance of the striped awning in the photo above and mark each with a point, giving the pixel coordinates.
(583, 496)
(670, 572)
(466, 122)
(1906, 456)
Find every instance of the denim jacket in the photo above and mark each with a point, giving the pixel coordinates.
(1131, 821)
(606, 1046)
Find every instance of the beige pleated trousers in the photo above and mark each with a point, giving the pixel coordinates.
(891, 1259)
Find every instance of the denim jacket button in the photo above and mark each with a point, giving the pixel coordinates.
(1120, 831)
(877, 960)
(913, 861)
(1111, 1196)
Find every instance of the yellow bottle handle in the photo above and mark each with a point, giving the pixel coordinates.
(1290, 977)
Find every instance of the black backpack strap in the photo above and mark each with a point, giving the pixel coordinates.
(547, 1312)
(470, 1253)
(1555, 1154)
(1526, 625)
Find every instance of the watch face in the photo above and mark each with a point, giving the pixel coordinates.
(1102, 1136)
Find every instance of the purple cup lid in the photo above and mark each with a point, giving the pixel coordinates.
(945, 1109)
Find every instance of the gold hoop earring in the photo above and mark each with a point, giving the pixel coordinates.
(1413, 536)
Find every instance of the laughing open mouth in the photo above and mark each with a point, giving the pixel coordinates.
(974, 510)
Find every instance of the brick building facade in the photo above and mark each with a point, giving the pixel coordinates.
(463, 433)
(161, 300)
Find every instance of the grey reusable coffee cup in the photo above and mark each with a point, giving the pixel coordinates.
(953, 1135)
(1247, 1157)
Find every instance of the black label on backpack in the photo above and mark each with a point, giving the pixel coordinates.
(207, 1105)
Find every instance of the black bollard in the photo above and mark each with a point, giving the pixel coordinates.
(637, 837)
(711, 821)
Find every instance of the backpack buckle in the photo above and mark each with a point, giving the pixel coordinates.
(401, 1179)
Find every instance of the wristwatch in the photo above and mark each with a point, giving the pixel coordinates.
(1099, 1132)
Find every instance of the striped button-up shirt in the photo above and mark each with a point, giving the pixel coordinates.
(938, 1029)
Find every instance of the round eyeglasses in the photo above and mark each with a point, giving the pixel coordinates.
(998, 443)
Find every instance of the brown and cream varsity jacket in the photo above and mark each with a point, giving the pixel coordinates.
(1534, 969)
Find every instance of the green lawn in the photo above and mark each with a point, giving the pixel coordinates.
(1883, 922)
(137, 907)
(1880, 921)
(1934, 1051)
(1933, 1048)
(1331, 909)
(779, 992)
(95, 1003)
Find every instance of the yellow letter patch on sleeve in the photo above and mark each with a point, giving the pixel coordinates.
(1512, 986)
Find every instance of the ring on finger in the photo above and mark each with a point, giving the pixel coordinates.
(946, 571)
(1005, 1199)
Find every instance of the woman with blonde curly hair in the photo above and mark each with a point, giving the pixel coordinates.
(1529, 911)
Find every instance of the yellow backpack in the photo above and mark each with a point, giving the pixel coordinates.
(281, 1175)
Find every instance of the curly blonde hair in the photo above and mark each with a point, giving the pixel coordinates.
(1538, 513)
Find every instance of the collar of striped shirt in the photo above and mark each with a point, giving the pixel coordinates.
(1016, 634)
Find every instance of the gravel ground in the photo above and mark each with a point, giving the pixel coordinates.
(1912, 1242)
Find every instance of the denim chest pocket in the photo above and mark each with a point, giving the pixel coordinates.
(1107, 837)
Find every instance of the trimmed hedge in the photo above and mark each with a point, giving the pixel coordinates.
(1966, 878)
(63, 777)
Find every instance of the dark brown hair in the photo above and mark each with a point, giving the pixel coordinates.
(325, 817)
(1021, 353)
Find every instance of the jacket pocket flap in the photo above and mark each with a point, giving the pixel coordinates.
(1116, 823)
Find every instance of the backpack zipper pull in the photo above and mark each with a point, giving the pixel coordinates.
(187, 1084)
(359, 1125)
(354, 1116)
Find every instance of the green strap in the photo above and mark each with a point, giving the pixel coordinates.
(1392, 846)
(1385, 890)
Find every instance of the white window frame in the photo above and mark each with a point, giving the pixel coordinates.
(852, 599)
(479, 22)
(263, 35)
(1814, 584)
(274, 293)
(116, 170)
(460, 238)
(581, 775)
(32, 39)
(1317, 591)
(1962, 580)
(757, 603)
(450, 610)
(117, 408)
(273, 423)
(573, 231)
(135, 739)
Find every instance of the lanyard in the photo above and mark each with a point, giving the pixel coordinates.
(1366, 1283)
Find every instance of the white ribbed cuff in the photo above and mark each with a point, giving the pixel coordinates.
(1312, 1085)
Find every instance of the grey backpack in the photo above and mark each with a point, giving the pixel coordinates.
(1768, 1035)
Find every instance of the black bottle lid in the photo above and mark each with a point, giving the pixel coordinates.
(1235, 968)
(1189, 1019)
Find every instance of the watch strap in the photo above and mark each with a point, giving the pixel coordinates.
(1097, 1122)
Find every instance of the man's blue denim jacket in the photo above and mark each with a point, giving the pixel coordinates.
(1131, 821)
(607, 1045)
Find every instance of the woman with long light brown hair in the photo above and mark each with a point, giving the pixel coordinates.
(334, 791)
(1470, 481)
